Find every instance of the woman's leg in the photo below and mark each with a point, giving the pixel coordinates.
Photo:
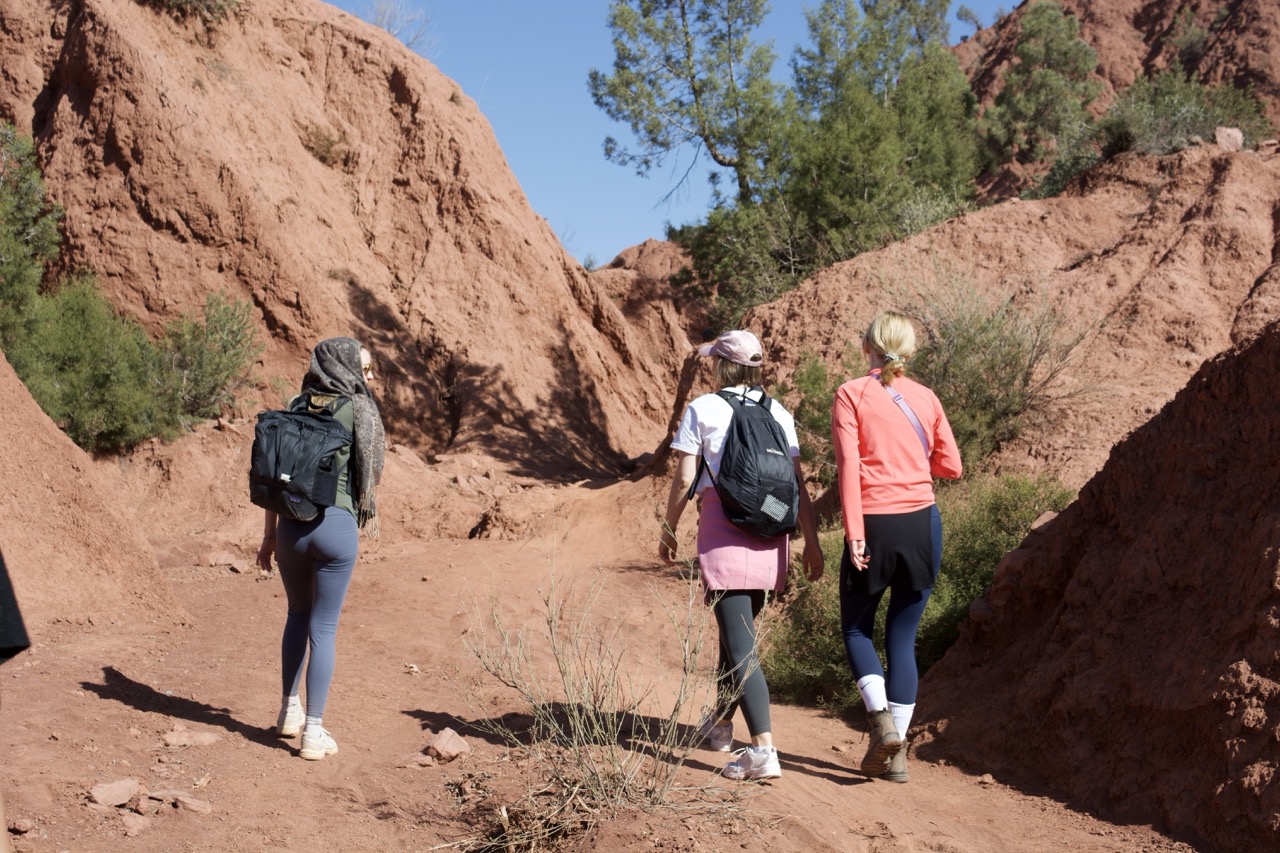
(735, 613)
(906, 606)
(296, 576)
(334, 544)
(902, 623)
(858, 623)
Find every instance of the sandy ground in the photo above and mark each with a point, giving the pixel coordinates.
(86, 707)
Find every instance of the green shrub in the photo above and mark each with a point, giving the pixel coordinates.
(1156, 115)
(924, 207)
(1077, 153)
(1190, 40)
(740, 257)
(983, 519)
(206, 362)
(95, 374)
(1163, 113)
(814, 389)
(993, 365)
(803, 654)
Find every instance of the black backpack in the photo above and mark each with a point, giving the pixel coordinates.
(757, 482)
(293, 468)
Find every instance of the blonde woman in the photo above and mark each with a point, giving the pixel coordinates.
(739, 571)
(891, 439)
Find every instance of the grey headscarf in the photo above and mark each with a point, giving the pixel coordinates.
(336, 370)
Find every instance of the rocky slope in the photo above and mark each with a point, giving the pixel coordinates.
(1129, 652)
(304, 160)
(1164, 261)
(1237, 42)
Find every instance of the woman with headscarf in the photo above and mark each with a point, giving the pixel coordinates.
(316, 558)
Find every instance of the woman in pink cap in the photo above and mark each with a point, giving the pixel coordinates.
(739, 570)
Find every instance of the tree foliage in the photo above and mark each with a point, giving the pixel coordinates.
(1156, 115)
(875, 139)
(1165, 112)
(686, 72)
(1047, 88)
(28, 232)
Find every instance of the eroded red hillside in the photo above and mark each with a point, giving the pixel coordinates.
(1128, 652)
(1171, 260)
(1237, 42)
(304, 160)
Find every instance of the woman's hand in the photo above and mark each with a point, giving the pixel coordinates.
(268, 546)
(265, 551)
(813, 559)
(858, 551)
(667, 547)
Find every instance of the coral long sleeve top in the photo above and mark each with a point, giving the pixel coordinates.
(881, 466)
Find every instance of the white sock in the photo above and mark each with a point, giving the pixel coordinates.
(291, 701)
(873, 693)
(313, 724)
(902, 717)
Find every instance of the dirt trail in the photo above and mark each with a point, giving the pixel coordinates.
(82, 709)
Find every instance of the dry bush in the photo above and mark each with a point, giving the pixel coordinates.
(603, 736)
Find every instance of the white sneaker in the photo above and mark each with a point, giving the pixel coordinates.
(316, 744)
(754, 762)
(715, 734)
(289, 723)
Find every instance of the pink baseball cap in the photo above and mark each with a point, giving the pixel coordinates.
(737, 346)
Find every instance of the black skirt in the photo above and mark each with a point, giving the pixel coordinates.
(905, 550)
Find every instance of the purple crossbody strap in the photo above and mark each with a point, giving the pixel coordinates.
(911, 416)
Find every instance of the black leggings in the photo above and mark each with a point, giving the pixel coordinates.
(739, 679)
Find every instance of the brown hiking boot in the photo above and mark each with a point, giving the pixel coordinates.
(885, 743)
(897, 771)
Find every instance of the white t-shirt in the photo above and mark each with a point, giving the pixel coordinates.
(706, 420)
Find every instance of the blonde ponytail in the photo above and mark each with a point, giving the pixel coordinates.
(892, 337)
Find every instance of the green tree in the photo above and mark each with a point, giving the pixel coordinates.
(886, 113)
(875, 139)
(1046, 89)
(29, 235)
(869, 41)
(965, 15)
(847, 175)
(937, 121)
(687, 73)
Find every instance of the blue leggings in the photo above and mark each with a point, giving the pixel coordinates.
(906, 606)
(316, 559)
(738, 673)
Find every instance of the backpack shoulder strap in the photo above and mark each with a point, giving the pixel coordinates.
(735, 402)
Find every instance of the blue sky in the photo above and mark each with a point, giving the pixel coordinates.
(525, 64)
